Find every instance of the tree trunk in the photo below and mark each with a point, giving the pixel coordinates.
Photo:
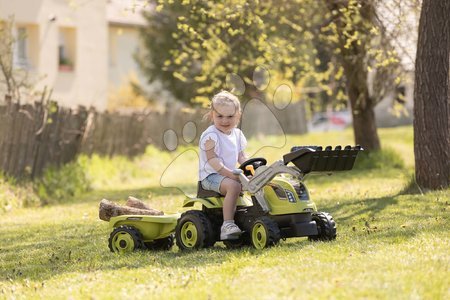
(352, 56)
(365, 128)
(362, 105)
(432, 97)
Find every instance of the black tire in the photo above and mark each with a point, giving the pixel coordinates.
(242, 241)
(264, 233)
(164, 244)
(325, 226)
(194, 231)
(125, 239)
(212, 237)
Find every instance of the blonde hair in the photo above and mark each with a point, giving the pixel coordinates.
(222, 98)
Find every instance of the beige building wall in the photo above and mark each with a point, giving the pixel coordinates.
(124, 43)
(82, 28)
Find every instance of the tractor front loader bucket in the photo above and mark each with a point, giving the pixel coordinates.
(315, 159)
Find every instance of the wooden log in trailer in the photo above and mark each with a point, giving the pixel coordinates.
(109, 209)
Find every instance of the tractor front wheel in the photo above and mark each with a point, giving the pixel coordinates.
(193, 231)
(325, 226)
(124, 239)
(264, 233)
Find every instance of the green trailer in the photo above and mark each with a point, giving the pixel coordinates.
(138, 232)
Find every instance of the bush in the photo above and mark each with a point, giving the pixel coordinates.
(13, 195)
(108, 172)
(385, 158)
(61, 184)
(120, 172)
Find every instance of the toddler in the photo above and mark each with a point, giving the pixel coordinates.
(221, 148)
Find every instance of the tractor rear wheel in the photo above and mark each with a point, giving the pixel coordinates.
(124, 239)
(264, 233)
(325, 226)
(193, 231)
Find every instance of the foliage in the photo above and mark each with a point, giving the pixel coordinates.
(125, 96)
(386, 238)
(193, 45)
(199, 47)
(62, 184)
(15, 195)
(115, 172)
(56, 185)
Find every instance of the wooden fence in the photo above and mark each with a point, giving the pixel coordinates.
(33, 137)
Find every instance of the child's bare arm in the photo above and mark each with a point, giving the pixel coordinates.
(242, 157)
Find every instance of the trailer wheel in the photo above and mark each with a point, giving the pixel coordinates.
(193, 231)
(264, 233)
(325, 226)
(161, 244)
(125, 239)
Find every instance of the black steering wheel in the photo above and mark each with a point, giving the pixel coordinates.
(256, 162)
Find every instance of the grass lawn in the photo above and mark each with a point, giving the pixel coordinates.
(391, 244)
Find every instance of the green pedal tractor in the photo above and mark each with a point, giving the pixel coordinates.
(274, 204)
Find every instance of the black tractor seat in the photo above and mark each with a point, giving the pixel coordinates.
(202, 193)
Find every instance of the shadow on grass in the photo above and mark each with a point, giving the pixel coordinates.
(47, 252)
(369, 207)
(411, 188)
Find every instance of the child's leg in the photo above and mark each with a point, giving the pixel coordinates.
(231, 189)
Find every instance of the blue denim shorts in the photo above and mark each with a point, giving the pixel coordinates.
(212, 182)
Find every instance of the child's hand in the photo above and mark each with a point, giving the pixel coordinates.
(233, 176)
(236, 173)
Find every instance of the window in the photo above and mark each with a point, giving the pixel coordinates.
(26, 46)
(66, 49)
(21, 42)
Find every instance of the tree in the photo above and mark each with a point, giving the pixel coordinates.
(195, 44)
(12, 80)
(432, 97)
(358, 38)
(352, 21)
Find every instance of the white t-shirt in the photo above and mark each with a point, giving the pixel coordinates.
(227, 148)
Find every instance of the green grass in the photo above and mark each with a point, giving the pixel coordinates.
(390, 244)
